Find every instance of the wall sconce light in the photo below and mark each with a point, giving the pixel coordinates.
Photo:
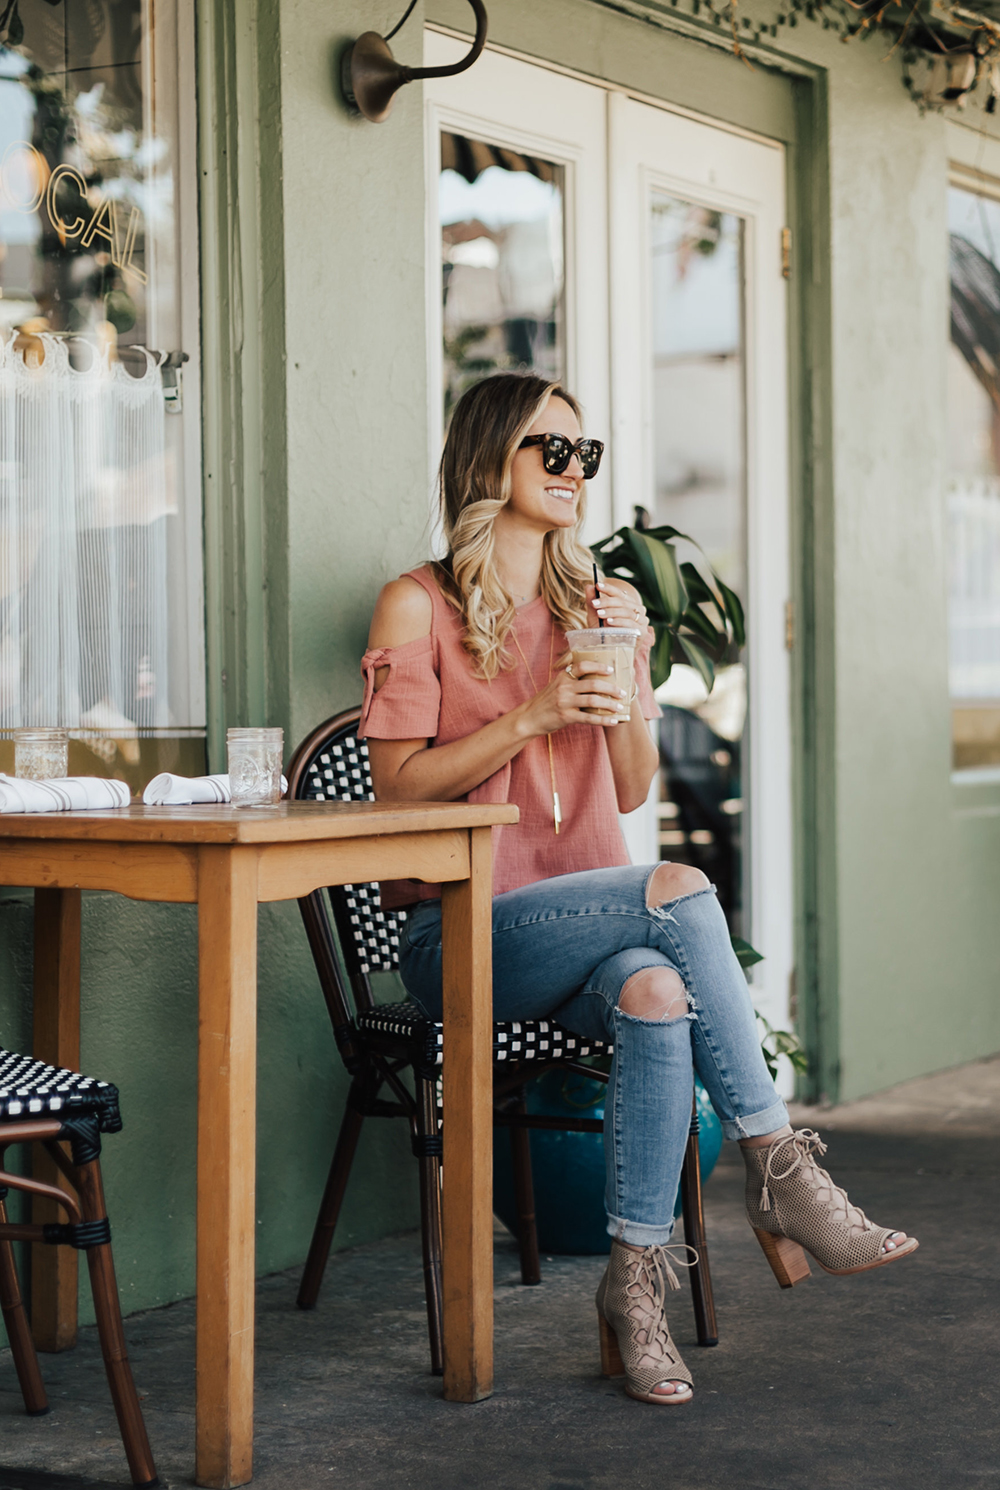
(370, 75)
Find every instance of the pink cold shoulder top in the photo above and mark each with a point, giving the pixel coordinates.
(432, 693)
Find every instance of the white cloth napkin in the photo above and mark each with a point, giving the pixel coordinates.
(166, 790)
(63, 794)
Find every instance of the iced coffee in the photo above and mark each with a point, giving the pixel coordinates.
(612, 646)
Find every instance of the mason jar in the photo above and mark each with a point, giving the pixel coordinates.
(254, 764)
(41, 754)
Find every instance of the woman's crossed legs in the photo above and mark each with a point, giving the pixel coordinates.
(638, 956)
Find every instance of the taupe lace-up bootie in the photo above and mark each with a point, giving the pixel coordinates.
(793, 1204)
(635, 1339)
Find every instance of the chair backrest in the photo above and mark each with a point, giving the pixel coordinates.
(331, 765)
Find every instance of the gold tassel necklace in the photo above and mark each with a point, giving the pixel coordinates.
(556, 808)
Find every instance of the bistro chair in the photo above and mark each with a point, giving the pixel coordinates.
(43, 1104)
(380, 1043)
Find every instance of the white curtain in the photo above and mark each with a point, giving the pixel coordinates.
(85, 498)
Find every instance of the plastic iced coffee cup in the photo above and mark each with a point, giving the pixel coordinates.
(613, 646)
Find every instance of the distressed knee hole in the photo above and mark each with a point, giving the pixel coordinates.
(656, 994)
(670, 881)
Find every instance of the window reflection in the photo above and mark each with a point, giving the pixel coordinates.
(99, 597)
(698, 440)
(71, 112)
(502, 256)
(973, 491)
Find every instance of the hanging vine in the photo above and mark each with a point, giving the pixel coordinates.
(946, 50)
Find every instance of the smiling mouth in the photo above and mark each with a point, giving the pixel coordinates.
(564, 493)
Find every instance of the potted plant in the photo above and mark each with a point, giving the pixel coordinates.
(694, 615)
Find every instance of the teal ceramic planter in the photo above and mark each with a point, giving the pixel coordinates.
(568, 1168)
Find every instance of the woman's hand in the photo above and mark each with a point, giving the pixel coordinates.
(617, 603)
(564, 700)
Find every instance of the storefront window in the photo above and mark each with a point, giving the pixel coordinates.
(100, 520)
(502, 256)
(973, 492)
(698, 441)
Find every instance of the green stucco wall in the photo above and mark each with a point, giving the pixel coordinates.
(358, 500)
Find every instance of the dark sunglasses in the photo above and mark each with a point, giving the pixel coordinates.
(559, 450)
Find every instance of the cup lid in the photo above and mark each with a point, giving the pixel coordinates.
(603, 636)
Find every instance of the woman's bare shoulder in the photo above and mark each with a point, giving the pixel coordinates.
(403, 613)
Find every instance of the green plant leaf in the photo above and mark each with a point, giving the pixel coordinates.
(746, 955)
(777, 1043)
(695, 620)
(600, 548)
(734, 610)
(702, 594)
(666, 534)
(698, 588)
(658, 563)
(698, 660)
(661, 658)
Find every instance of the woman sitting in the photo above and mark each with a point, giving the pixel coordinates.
(470, 698)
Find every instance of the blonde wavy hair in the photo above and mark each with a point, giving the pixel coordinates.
(489, 423)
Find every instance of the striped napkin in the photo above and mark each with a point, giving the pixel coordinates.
(63, 794)
(166, 790)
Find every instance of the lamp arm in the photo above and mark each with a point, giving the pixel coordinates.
(370, 74)
(412, 73)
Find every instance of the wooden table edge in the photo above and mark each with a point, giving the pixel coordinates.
(291, 822)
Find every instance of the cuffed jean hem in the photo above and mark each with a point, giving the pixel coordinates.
(757, 1124)
(639, 1234)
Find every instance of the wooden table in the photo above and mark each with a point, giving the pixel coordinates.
(226, 861)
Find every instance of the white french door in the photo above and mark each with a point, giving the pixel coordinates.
(700, 438)
(663, 307)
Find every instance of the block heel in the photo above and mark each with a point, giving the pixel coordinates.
(789, 1263)
(611, 1357)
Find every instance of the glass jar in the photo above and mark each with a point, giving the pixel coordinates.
(254, 764)
(41, 754)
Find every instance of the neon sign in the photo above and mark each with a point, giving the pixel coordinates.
(21, 159)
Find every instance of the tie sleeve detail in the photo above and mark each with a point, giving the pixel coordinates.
(408, 704)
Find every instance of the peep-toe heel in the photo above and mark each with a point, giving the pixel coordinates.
(794, 1207)
(635, 1338)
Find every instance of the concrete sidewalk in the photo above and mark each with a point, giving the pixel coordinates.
(882, 1382)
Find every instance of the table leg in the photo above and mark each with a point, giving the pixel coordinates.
(467, 1217)
(56, 1039)
(227, 1070)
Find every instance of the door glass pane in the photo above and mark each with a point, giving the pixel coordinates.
(699, 471)
(973, 490)
(100, 513)
(502, 225)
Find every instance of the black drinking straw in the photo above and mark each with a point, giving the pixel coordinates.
(600, 619)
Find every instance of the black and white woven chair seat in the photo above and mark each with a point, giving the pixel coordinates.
(513, 1042)
(340, 773)
(31, 1089)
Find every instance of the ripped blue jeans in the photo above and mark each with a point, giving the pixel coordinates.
(563, 949)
